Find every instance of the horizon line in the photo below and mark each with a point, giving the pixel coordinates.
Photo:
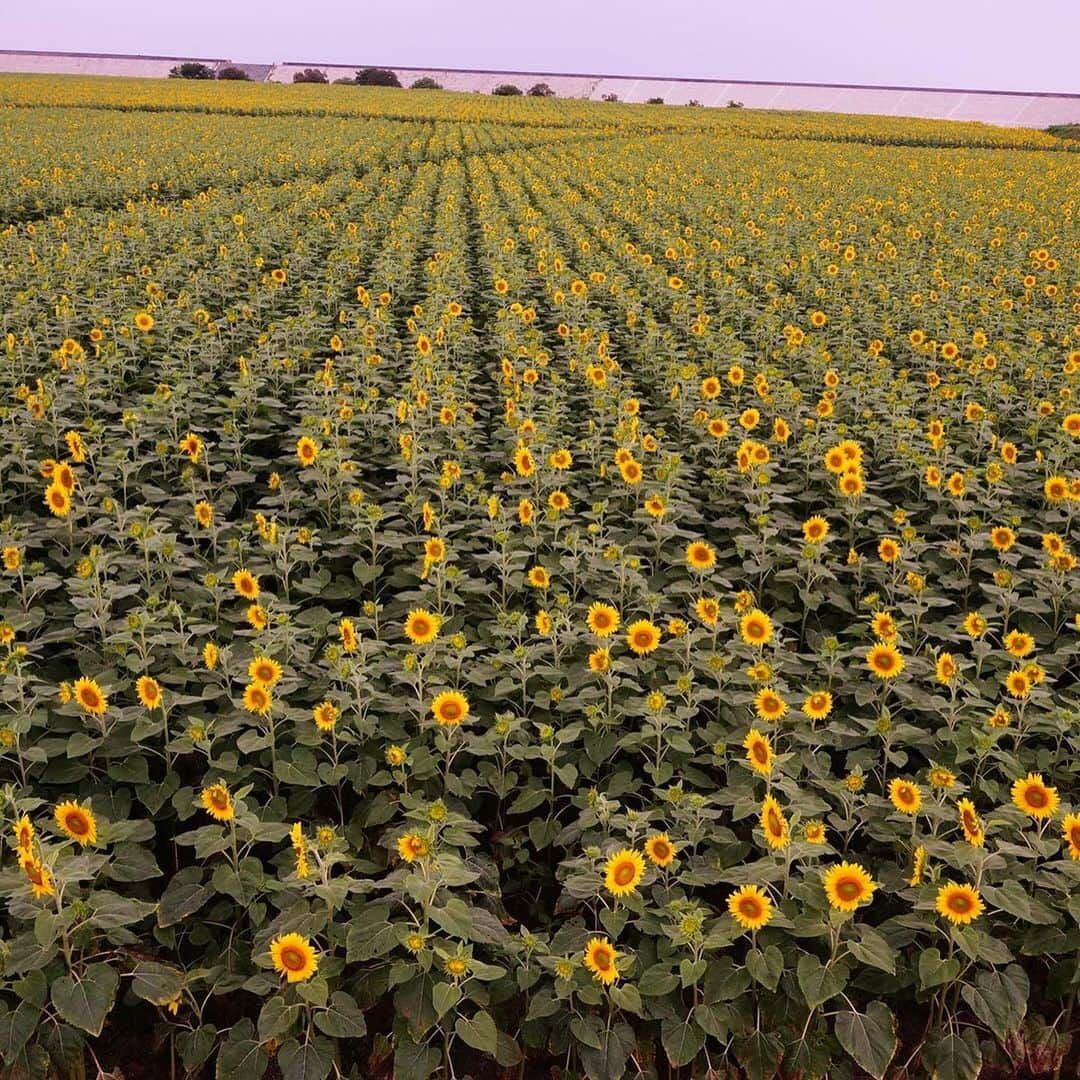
(549, 74)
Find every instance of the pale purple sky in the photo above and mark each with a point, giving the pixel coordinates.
(974, 44)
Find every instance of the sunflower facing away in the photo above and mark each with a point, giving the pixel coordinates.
(294, 957)
(602, 960)
(623, 872)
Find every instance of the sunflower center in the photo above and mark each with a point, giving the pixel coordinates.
(1036, 797)
(772, 819)
(77, 824)
(960, 903)
(451, 711)
(624, 873)
(643, 639)
(848, 889)
(761, 754)
(750, 907)
(219, 799)
(602, 959)
(661, 850)
(293, 958)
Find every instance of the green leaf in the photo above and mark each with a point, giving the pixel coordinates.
(414, 1061)
(657, 980)
(478, 1031)
(934, 971)
(869, 1037)
(86, 1001)
(16, 1028)
(759, 1054)
(999, 999)
(242, 1056)
(304, 1061)
(342, 1018)
(1012, 898)
(608, 1062)
(183, 896)
(954, 1055)
(276, 1017)
(444, 996)
(157, 983)
(682, 1040)
(817, 982)
(873, 949)
(766, 967)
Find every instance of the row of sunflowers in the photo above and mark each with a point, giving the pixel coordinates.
(590, 597)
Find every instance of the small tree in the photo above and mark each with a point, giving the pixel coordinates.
(234, 74)
(733, 104)
(694, 103)
(654, 101)
(610, 97)
(191, 69)
(541, 89)
(426, 82)
(310, 75)
(373, 76)
(507, 90)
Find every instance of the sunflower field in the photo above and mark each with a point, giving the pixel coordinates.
(521, 588)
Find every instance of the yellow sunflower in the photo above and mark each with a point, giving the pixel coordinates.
(246, 584)
(750, 907)
(1031, 795)
(660, 850)
(413, 846)
(1070, 831)
(884, 660)
(307, 451)
(756, 628)
(623, 872)
(90, 696)
(422, 626)
(960, 904)
(76, 822)
(294, 957)
(818, 705)
(149, 691)
(264, 670)
(601, 959)
(970, 823)
(774, 824)
(643, 637)
(258, 699)
(769, 705)
(905, 796)
(602, 619)
(759, 752)
(217, 802)
(700, 555)
(450, 708)
(847, 885)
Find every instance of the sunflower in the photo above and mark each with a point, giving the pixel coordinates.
(307, 451)
(264, 671)
(884, 660)
(769, 705)
(623, 872)
(601, 959)
(884, 626)
(294, 957)
(144, 321)
(539, 578)
(975, 625)
(708, 610)
(524, 464)
(847, 885)
(210, 655)
(815, 530)
(905, 796)
(1002, 538)
(756, 628)
(246, 584)
(660, 850)
(759, 752)
(1070, 832)
(774, 824)
(1031, 795)
(258, 699)
(813, 832)
(643, 637)
(422, 626)
(349, 638)
(603, 619)
(192, 446)
(24, 834)
(818, 705)
(204, 514)
(413, 846)
(946, 669)
(90, 696)
(1056, 489)
(970, 823)
(750, 907)
(450, 708)
(217, 802)
(1018, 644)
(960, 904)
(76, 822)
(918, 866)
(58, 500)
(1018, 684)
(256, 616)
(149, 691)
(39, 877)
(888, 550)
(655, 506)
(700, 555)
(599, 661)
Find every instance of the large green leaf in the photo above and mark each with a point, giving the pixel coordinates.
(183, 896)
(999, 999)
(817, 982)
(478, 1031)
(682, 1040)
(85, 1001)
(869, 1037)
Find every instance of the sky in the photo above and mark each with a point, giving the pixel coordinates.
(984, 45)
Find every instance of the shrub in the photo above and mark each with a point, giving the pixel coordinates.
(310, 75)
(733, 104)
(507, 90)
(426, 82)
(654, 101)
(541, 89)
(232, 73)
(373, 76)
(610, 97)
(191, 70)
